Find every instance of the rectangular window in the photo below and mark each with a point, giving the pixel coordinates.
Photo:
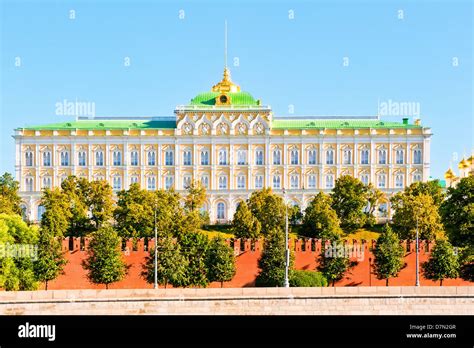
(329, 181)
(399, 157)
(223, 157)
(381, 180)
(259, 157)
(365, 179)
(241, 157)
(169, 158)
(276, 157)
(168, 182)
(223, 182)
(399, 181)
(276, 182)
(259, 181)
(205, 181)
(82, 159)
(294, 181)
(312, 157)
(417, 156)
(186, 182)
(47, 159)
(312, 181)
(151, 158)
(134, 158)
(99, 158)
(117, 158)
(294, 154)
(29, 159)
(241, 182)
(151, 183)
(364, 157)
(134, 180)
(117, 183)
(382, 157)
(204, 158)
(347, 157)
(64, 158)
(329, 157)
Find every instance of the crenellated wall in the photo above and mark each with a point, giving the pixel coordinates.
(247, 254)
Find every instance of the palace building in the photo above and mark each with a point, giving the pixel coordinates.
(229, 141)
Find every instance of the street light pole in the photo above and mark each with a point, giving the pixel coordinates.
(417, 257)
(155, 286)
(287, 250)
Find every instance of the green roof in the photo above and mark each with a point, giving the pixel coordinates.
(237, 98)
(107, 124)
(288, 123)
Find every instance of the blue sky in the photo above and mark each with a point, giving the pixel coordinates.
(282, 61)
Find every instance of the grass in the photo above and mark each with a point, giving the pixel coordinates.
(363, 233)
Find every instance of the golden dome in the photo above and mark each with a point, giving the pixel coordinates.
(449, 174)
(463, 164)
(470, 160)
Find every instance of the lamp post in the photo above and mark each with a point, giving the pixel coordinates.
(155, 286)
(417, 257)
(287, 250)
(370, 273)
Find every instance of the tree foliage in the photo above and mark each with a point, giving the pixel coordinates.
(273, 260)
(349, 197)
(50, 261)
(320, 219)
(388, 255)
(244, 224)
(416, 211)
(269, 209)
(57, 216)
(374, 198)
(9, 199)
(443, 262)
(457, 213)
(220, 262)
(104, 263)
(75, 191)
(100, 202)
(304, 278)
(195, 247)
(171, 264)
(333, 263)
(195, 197)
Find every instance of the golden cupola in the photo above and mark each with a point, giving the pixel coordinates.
(226, 85)
(449, 174)
(463, 164)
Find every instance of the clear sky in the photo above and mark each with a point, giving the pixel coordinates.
(291, 55)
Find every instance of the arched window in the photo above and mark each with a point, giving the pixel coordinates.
(29, 159)
(382, 156)
(416, 177)
(364, 156)
(312, 181)
(168, 182)
(222, 157)
(276, 181)
(381, 180)
(134, 158)
(41, 211)
(398, 180)
(347, 156)
(47, 158)
(417, 156)
(241, 182)
(205, 181)
(223, 182)
(151, 158)
(117, 158)
(204, 158)
(259, 181)
(81, 158)
(294, 155)
(312, 157)
(329, 157)
(134, 180)
(47, 182)
(169, 158)
(187, 160)
(276, 157)
(365, 179)
(151, 183)
(259, 157)
(221, 211)
(329, 181)
(99, 158)
(294, 181)
(64, 158)
(117, 183)
(186, 182)
(241, 157)
(399, 156)
(29, 184)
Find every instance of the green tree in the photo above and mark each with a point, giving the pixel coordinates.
(50, 261)
(457, 213)
(9, 199)
(172, 219)
(75, 190)
(104, 263)
(294, 214)
(57, 216)
(333, 263)
(134, 214)
(16, 273)
(196, 196)
(171, 264)
(443, 262)
(320, 219)
(412, 212)
(220, 262)
(349, 197)
(244, 224)
(100, 203)
(269, 209)
(195, 247)
(304, 278)
(388, 255)
(273, 260)
(431, 188)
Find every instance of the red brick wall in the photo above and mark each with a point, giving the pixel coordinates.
(248, 253)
